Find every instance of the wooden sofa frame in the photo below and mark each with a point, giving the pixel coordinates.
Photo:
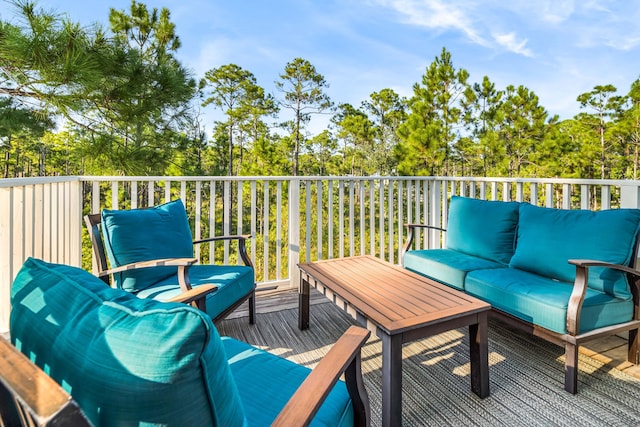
(195, 296)
(29, 397)
(572, 339)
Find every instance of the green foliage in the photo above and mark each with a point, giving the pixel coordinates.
(303, 88)
(123, 104)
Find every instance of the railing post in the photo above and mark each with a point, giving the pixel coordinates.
(436, 214)
(6, 272)
(75, 223)
(630, 195)
(294, 232)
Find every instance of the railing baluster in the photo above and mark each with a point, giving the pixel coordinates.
(151, 193)
(239, 223)
(390, 216)
(307, 223)
(197, 223)
(400, 219)
(226, 216)
(279, 230)
(605, 195)
(212, 219)
(381, 218)
(319, 227)
(372, 218)
(134, 194)
(341, 219)
(294, 231)
(351, 220)
(266, 226)
(330, 218)
(362, 218)
(254, 218)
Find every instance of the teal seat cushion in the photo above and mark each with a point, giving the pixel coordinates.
(233, 281)
(136, 235)
(266, 382)
(485, 229)
(548, 238)
(544, 301)
(445, 265)
(125, 360)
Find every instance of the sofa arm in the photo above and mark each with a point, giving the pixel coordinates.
(344, 357)
(411, 235)
(580, 289)
(242, 245)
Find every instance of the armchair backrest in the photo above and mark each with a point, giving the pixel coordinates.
(137, 235)
(124, 359)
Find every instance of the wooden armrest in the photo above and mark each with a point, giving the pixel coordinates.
(344, 357)
(242, 247)
(411, 228)
(26, 391)
(166, 262)
(580, 288)
(433, 227)
(596, 263)
(194, 294)
(231, 237)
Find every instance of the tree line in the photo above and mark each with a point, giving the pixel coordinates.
(116, 100)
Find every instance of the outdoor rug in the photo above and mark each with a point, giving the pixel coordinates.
(526, 374)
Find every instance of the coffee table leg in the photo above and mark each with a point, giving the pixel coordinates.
(391, 379)
(303, 303)
(479, 356)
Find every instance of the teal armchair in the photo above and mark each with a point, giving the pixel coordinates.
(133, 361)
(150, 253)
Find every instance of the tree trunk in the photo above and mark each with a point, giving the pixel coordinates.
(297, 148)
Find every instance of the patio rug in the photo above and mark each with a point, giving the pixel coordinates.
(526, 374)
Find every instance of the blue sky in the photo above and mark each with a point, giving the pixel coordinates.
(556, 48)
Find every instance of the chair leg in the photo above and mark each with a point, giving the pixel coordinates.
(633, 354)
(252, 308)
(571, 368)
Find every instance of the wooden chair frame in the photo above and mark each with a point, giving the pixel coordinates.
(573, 339)
(29, 397)
(195, 296)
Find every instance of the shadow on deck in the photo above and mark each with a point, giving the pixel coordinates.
(526, 373)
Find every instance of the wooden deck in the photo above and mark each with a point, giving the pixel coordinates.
(611, 350)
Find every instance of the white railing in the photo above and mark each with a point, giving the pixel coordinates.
(291, 219)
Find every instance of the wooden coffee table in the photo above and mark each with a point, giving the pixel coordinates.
(400, 307)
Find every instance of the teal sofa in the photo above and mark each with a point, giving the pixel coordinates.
(130, 361)
(565, 275)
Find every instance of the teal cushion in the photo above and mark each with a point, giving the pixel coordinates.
(544, 301)
(548, 238)
(266, 382)
(233, 281)
(482, 228)
(445, 265)
(146, 234)
(125, 360)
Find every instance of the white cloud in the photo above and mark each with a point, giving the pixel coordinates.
(436, 14)
(510, 42)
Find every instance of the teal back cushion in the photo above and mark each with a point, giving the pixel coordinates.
(146, 234)
(482, 228)
(125, 360)
(548, 238)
